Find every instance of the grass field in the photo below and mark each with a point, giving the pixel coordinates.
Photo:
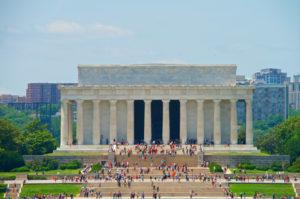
(2, 188)
(254, 171)
(53, 172)
(267, 189)
(31, 190)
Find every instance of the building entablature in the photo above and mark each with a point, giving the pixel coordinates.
(156, 92)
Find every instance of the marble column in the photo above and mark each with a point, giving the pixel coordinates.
(217, 123)
(200, 122)
(64, 123)
(249, 133)
(96, 122)
(113, 121)
(79, 133)
(70, 124)
(130, 121)
(183, 130)
(166, 122)
(147, 124)
(233, 122)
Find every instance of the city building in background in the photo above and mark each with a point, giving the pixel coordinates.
(270, 76)
(294, 93)
(6, 99)
(44, 92)
(270, 97)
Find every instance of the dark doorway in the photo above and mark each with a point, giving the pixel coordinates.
(156, 120)
(139, 114)
(174, 119)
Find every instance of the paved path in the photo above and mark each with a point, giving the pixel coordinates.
(146, 180)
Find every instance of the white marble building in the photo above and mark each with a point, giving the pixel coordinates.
(129, 102)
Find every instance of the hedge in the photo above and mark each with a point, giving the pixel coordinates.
(215, 166)
(36, 177)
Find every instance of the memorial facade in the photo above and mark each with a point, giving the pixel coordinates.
(155, 102)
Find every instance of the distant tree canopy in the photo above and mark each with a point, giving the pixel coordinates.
(282, 139)
(18, 118)
(35, 139)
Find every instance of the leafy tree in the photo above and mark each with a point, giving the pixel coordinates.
(55, 128)
(36, 139)
(242, 136)
(18, 118)
(44, 110)
(295, 166)
(9, 135)
(283, 139)
(293, 112)
(10, 160)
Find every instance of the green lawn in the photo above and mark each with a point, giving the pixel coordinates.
(236, 153)
(254, 171)
(268, 189)
(2, 188)
(31, 190)
(53, 172)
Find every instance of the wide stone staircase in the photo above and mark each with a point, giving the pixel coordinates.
(165, 189)
(157, 158)
(297, 189)
(13, 190)
(154, 172)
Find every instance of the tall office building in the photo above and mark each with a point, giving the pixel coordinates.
(294, 93)
(6, 99)
(270, 97)
(44, 92)
(270, 76)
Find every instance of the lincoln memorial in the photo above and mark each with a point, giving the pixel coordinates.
(155, 103)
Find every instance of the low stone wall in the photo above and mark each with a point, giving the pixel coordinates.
(63, 159)
(258, 160)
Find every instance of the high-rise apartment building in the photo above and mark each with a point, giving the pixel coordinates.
(44, 92)
(294, 93)
(270, 76)
(270, 97)
(6, 99)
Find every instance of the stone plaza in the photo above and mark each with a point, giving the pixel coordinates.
(155, 103)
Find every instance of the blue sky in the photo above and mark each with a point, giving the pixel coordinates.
(44, 41)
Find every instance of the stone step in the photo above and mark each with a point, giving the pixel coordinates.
(149, 194)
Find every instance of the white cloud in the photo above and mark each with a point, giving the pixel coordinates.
(65, 27)
(108, 30)
(61, 27)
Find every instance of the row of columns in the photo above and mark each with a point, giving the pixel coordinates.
(66, 122)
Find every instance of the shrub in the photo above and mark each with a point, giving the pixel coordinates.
(215, 166)
(7, 177)
(246, 165)
(263, 168)
(36, 165)
(295, 166)
(72, 165)
(62, 166)
(10, 160)
(50, 163)
(96, 167)
(35, 177)
(276, 166)
(20, 169)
